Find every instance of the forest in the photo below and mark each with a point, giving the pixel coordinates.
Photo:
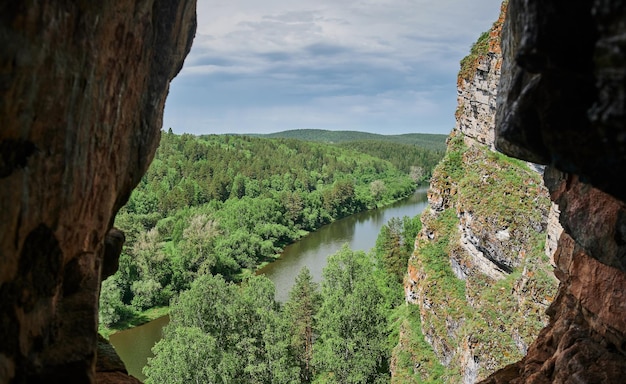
(429, 141)
(212, 209)
(227, 204)
(341, 332)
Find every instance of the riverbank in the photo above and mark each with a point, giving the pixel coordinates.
(136, 320)
(140, 318)
(359, 231)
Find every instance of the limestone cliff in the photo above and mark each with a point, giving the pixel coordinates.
(478, 85)
(561, 103)
(82, 90)
(479, 275)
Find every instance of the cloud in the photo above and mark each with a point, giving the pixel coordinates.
(279, 64)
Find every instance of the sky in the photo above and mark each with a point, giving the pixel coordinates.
(380, 66)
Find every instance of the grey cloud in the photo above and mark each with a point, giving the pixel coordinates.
(325, 64)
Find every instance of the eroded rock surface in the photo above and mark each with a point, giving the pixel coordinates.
(562, 103)
(479, 275)
(477, 90)
(584, 341)
(82, 90)
(561, 98)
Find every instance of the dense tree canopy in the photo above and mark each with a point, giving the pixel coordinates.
(220, 332)
(223, 332)
(211, 209)
(352, 345)
(223, 204)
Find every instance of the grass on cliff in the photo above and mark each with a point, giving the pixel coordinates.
(415, 361)
(512, 310)
(514, 190)
(449, 309)
(470, 62)
(480, 48)
(500, 318)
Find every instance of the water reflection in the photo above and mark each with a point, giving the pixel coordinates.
(359, 231)
(134, 345)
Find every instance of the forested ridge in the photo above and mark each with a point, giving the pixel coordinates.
(414, 153)
(224, 204)
(405, 157)
(428, 141)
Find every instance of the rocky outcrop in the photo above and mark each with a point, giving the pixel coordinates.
(561, 99)
(561, 103)
(584, 341)
(478, 87)
(82, 90)
(479, 274)
(110, 367)
(553, 232)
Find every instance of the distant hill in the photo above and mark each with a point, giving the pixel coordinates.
(424, 140)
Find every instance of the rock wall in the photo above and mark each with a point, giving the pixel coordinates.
(479, 274)
(82, 90)
(478, 87)
(561, 103)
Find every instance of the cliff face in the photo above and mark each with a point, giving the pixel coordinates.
(82, 89)
(562, 103)
(479, 275)
(478, 85)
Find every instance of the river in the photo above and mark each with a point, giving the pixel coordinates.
(359, 231)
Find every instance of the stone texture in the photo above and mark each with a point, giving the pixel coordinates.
(553, 232)
(485, 248)
(562, 102)
(476, 96)
(561, 99)
(487, 254)
(585, 340)
(109, 366)
(82, 90)
(484, 254)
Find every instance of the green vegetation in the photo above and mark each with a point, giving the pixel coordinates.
(133, 319)
(300, 313)
(414, 153)
(222, 332)
(500, 194)
(352, 322)
(402, 156)
(225, 205)
(448, 305)
(481, 47)
(212, 209)
(469, 63)
(415, 361)
(395, 244)
(434, 142)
